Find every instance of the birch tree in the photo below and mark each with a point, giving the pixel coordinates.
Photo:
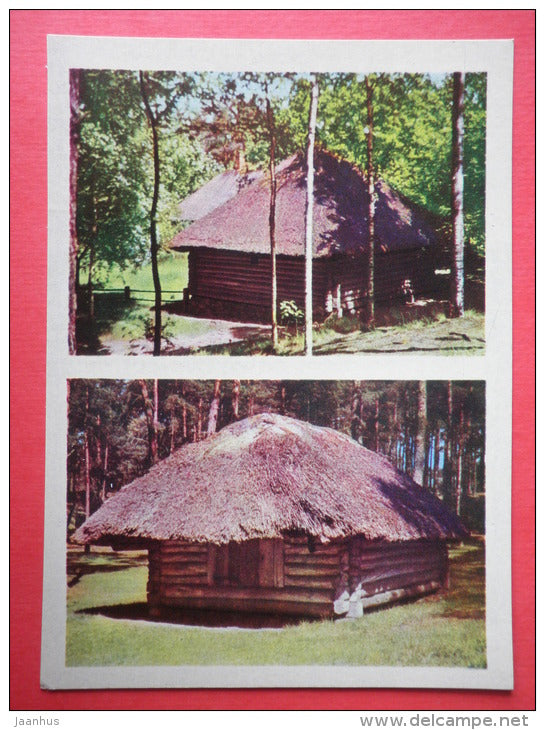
(309, 208)
(457, 198)
(74, 143)
(368, 312)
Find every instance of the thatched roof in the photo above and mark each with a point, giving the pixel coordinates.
(340, 214)
(215, 193)
(265, 476)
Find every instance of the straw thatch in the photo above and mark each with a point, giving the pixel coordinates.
(340, 213)
(266, 476)
(214, 193)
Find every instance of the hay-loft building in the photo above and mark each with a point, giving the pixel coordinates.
(275, 515)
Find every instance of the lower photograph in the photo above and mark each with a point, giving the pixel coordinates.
(237, 523)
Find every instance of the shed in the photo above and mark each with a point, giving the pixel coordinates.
(229, 245)
(275, 515)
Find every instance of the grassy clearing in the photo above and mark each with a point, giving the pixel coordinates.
(119, 320)
(172, 273)
(289, 343)
(464, 336)
(446, 629)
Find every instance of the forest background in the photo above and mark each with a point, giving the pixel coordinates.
(143, 142)
(433, 431)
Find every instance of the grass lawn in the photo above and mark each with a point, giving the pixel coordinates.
(446, 629)
(172, 272)
(464, 336)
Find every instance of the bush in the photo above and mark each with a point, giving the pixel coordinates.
(291, 314)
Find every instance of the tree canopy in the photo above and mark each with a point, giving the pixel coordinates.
(210, 116)
(112, 419)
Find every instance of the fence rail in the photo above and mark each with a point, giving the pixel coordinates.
(128, 293)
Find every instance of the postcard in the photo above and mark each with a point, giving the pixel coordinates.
(279, 364)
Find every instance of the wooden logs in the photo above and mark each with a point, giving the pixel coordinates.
(293, 575)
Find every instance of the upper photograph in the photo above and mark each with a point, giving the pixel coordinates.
(277, 213)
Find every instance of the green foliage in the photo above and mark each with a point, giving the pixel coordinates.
(412, 135)
(115, 166)
(290, 313)
(111, 215)
(475, 159)
(184, 167)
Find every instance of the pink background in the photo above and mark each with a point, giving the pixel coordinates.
(29, 29)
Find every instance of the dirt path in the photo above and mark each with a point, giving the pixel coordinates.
(198, 333)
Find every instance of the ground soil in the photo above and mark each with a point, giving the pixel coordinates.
(211, 332)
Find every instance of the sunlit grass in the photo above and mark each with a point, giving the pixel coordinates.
(445, 629)
(465, 335)
(173, 276)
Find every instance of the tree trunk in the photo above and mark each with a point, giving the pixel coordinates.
(199, 420)
(153, 215)
(355, 421)
(151, 421)
(447, 466)
(156, 406)
(436, 460)
(90, 295)
(104, 475)
(184, 415)
(100, 464)
(87, 466)
(457, 198)
(214, 409)
(309, 208)
(73, 251)
(376, 423)
(235, 399)
(459, 463)
(420, 441)
(368, 311)
(173, 429)
(272, 224)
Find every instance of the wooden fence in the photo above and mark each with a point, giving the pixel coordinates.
(128, 293)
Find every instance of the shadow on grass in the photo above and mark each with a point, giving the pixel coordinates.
(340, 347)
(201, 618)
(78, 564)
(110, 308)
(466, 596)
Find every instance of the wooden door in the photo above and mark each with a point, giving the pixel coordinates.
(251, 563)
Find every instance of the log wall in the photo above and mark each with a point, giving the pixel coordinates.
(376, 572)
(190, 575)
(235, 285)
(341, 577)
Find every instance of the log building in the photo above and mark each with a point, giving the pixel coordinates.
(229, 245)
(276, 516)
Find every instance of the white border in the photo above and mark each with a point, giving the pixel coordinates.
(493, 57)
